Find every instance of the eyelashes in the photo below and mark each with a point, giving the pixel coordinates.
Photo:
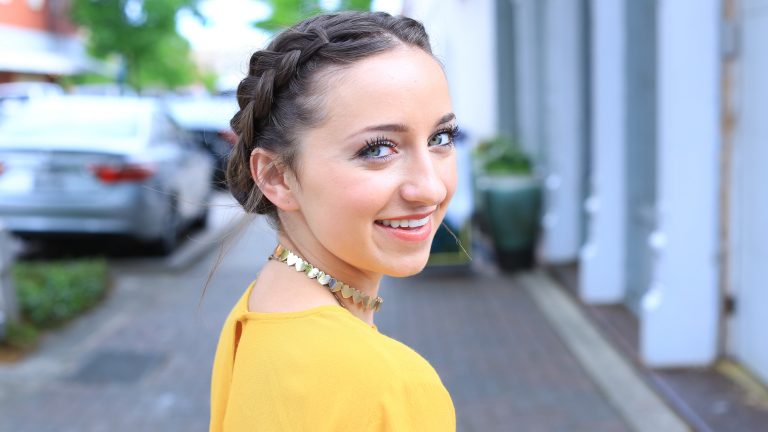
(382, 148)
(452, 131)
(372, 149)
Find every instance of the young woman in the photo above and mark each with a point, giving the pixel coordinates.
(346, 144)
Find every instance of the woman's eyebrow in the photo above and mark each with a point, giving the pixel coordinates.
(399, 127)
(445, 119)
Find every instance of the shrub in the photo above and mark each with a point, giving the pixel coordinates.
(21, 336)
(501, 155)
(50, 293)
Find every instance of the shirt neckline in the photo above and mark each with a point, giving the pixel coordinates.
(269, 316)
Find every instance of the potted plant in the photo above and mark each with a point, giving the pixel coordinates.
(508, 201)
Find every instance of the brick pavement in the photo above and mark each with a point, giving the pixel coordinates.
(496, 353)
(504, 366)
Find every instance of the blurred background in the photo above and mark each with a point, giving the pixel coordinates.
(602, 266)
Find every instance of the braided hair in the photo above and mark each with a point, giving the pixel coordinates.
(281, 95)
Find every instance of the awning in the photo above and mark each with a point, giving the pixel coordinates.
(38, 52)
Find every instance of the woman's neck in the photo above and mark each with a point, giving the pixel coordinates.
(323, 260)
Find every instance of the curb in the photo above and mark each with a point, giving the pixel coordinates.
(225, 222)
(641, 407)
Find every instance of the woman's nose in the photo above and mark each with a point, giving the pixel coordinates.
(423, 183)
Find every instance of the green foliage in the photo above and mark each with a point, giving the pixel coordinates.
(50, 293)
(21, 336)
(286, 13)
(142, 33)
(501, 155)
(86, 78)
(209, 80)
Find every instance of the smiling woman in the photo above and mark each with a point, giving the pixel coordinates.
(346, 137)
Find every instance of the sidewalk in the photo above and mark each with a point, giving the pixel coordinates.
(141, 361)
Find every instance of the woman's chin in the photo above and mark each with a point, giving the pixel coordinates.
(410, 268)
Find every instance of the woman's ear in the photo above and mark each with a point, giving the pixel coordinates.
(272, 178)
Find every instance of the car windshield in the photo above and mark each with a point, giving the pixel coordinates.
(61, 124)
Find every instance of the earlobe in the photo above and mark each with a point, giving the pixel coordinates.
(271, 178)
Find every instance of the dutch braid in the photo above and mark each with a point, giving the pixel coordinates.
(279, 97)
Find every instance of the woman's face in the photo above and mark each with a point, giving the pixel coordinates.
(374, 179)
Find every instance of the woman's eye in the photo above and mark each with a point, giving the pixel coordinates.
(378, 151)
(441, 139)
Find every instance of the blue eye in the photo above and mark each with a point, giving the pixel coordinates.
(440, 139)
(378, 149)
(444, 137)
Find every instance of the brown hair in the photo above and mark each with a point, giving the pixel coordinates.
(281, 96)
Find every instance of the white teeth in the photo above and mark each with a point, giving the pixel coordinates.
(405, 223)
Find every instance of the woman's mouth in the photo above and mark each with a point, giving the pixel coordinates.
(412, 229)
(404, 223)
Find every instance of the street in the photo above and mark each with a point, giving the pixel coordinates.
(141, 360)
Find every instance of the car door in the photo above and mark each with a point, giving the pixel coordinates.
(191, 168)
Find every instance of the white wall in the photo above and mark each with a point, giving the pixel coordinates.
(563, 123)
(527, 75)
(463, 36)
(749, 205)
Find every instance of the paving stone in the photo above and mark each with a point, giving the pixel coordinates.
(503, 365)
(118, 366)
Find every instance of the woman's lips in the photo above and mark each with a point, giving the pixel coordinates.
(410, 233)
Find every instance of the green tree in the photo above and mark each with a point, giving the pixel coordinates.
(143, 33)
(285, 13)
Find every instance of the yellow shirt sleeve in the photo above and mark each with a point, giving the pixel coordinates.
(321, 370)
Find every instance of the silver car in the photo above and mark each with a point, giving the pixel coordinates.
(100, 165)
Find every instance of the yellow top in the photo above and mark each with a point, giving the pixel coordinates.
(321, 369)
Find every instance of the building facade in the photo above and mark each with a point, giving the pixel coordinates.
(645, 118)
(38, 42)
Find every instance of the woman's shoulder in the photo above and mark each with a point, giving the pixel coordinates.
(324, 336)
(315, 340)
(300, 359)
(321, 330)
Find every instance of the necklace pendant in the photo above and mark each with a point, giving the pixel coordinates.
(334, 285)
(337, 286)
(282, 255)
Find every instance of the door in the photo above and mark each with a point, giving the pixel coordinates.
(750, 195)
(641, 145)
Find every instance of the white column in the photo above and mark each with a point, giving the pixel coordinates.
(563, 123)
(602, 259)
(679, 314)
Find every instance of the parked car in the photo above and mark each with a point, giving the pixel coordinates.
(207, 119)
(98, 165)
(15, 94)
(102, 89)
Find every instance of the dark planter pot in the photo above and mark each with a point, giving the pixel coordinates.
(509, 209)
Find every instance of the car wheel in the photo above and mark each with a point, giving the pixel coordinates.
(201, 221)
(169, 238)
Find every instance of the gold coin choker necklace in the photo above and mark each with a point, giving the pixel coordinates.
(334, 285)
